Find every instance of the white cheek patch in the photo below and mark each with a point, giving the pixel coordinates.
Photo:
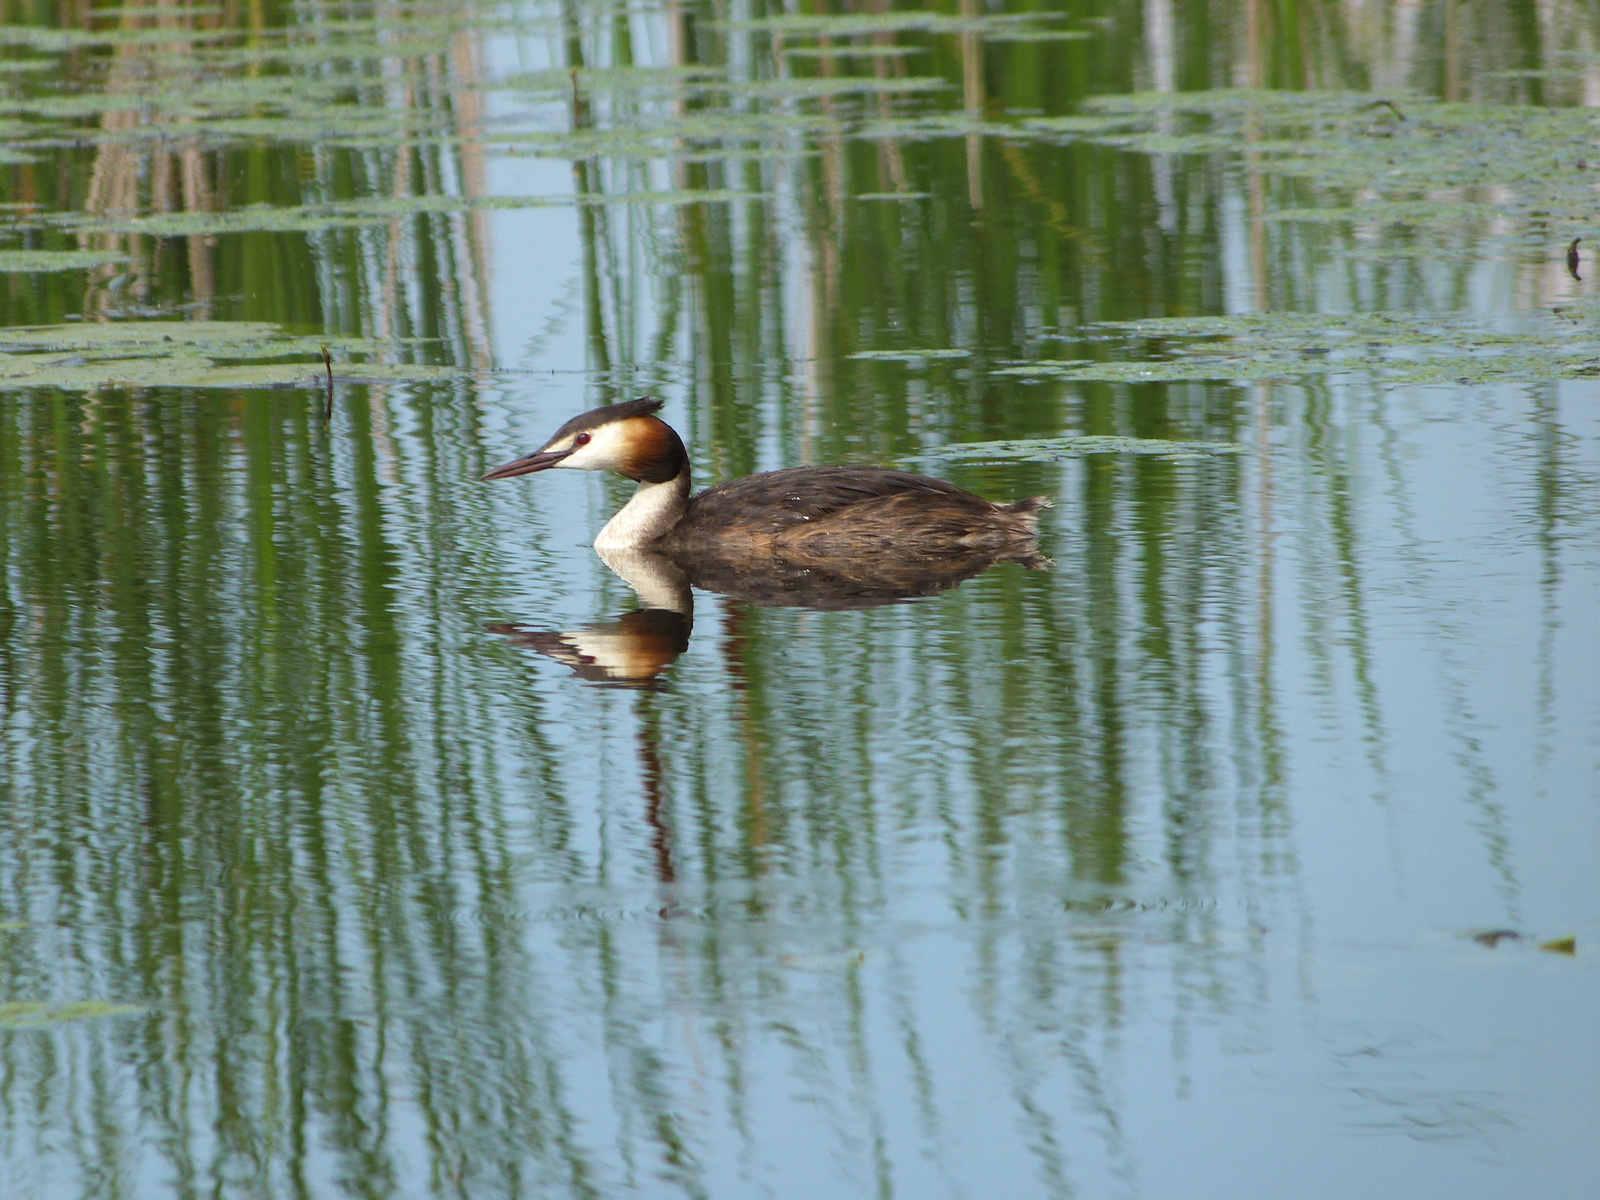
(606, 449)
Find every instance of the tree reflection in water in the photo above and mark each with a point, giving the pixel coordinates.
(949, 897)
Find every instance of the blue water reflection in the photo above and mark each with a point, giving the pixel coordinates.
(366, 834)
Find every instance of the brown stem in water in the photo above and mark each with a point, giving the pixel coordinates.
(327, 409)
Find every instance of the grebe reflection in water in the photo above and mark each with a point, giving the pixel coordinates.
(806, 537)
(631, 650)
(634, 649)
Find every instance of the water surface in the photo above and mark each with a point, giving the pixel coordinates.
(1248, 850)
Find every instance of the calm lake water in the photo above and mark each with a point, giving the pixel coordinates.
(359, 838)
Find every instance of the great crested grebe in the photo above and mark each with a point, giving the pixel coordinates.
(858, 523)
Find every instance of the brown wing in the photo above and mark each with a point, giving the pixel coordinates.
(768, 504)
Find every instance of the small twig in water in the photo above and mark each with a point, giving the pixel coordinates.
(1572, 260)
(1493, 937)
(327, 409)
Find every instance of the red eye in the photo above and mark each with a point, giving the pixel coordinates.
(581, 440)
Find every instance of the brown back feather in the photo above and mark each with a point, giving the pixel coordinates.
(775, 501)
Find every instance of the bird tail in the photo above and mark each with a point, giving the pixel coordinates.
(1025, 547)
(1025, 508)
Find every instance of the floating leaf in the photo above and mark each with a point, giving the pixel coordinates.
(1082, 126)
(593, 80)
(189, 354)
(45, 38)
(1566, 945)
(32, 1014)
(840, 85)
(54, 40)
(929, 125)
(1039, 35)
(1467, 368)
(151, 372)
(1408, 212)
(841, 960)
(31, 262)
(379, 210)
(873, 50)
(1400, 348)
(1198, 368)
(860, 24)
(1171, 143)
(94, 335)
(1049, 449)
(909, 355)
(1398, 152)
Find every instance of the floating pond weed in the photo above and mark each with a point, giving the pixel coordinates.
(1398, 154)
(909, 355)
(1405, 169)
(848, 25)
(1398, 348)
(38, 1014)
(1052, 449)
(33, 262)
(85, 356)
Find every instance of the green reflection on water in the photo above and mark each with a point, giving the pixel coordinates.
(383, 904)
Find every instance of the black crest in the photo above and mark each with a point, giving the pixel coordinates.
(644, 406)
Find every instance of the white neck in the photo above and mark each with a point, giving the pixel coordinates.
(648, 517)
